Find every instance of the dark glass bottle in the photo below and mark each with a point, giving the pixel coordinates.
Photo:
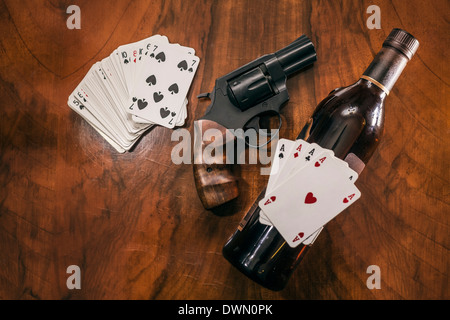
(350, 122)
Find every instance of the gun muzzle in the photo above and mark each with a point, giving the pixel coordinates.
(256, 85)
(296, 56)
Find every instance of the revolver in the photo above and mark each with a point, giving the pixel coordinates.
(238, 100)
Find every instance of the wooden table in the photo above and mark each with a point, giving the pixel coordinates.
(133, 222)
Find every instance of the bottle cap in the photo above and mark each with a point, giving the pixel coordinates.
(402, 41)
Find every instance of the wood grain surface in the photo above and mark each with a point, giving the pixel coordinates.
(133, 222)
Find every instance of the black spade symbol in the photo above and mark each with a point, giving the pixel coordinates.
(152, 55)
(161, 57)
(173, 88)
(182, 65)
(157, 96)
(125, 61)
(281, 156)
(151, 80)
(142, 104)
(164, 112)
(81, 107)
(134, 99)
(174, 114)
(190, 70)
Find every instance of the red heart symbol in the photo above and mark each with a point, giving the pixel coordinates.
(317, 164)
(298, 237)
(345, 200)
(309, 199)
(272, 199)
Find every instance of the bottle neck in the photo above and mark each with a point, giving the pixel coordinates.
(386, 68)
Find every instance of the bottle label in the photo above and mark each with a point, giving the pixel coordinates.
(375, 82)
(355, 163)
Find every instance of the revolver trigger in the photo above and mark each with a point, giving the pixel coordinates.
(204, 95)
(272, 136)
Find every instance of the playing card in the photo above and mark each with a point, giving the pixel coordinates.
(281, 157)
(310, 198)
(100, 104)
(129, 56)
(283, 149)
(104, 96)
(299, 154)
(310, 240)
(111, 100)
(75, 105)
(162, 86)
(179, 122)
(296, 159)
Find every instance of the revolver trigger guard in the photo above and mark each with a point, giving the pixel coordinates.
(272, 136)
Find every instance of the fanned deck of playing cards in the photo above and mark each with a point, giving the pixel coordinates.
(139, 85)
(308, 186)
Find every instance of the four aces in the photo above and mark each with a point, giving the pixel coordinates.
(308, 186)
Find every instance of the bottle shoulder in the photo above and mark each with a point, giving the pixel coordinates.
(359, 98)
(348, 116)
(362, 90)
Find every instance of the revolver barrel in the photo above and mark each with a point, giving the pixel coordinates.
(297, 55)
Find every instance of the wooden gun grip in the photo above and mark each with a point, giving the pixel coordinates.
(214, 180)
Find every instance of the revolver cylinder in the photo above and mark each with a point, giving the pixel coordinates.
(249, 89)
